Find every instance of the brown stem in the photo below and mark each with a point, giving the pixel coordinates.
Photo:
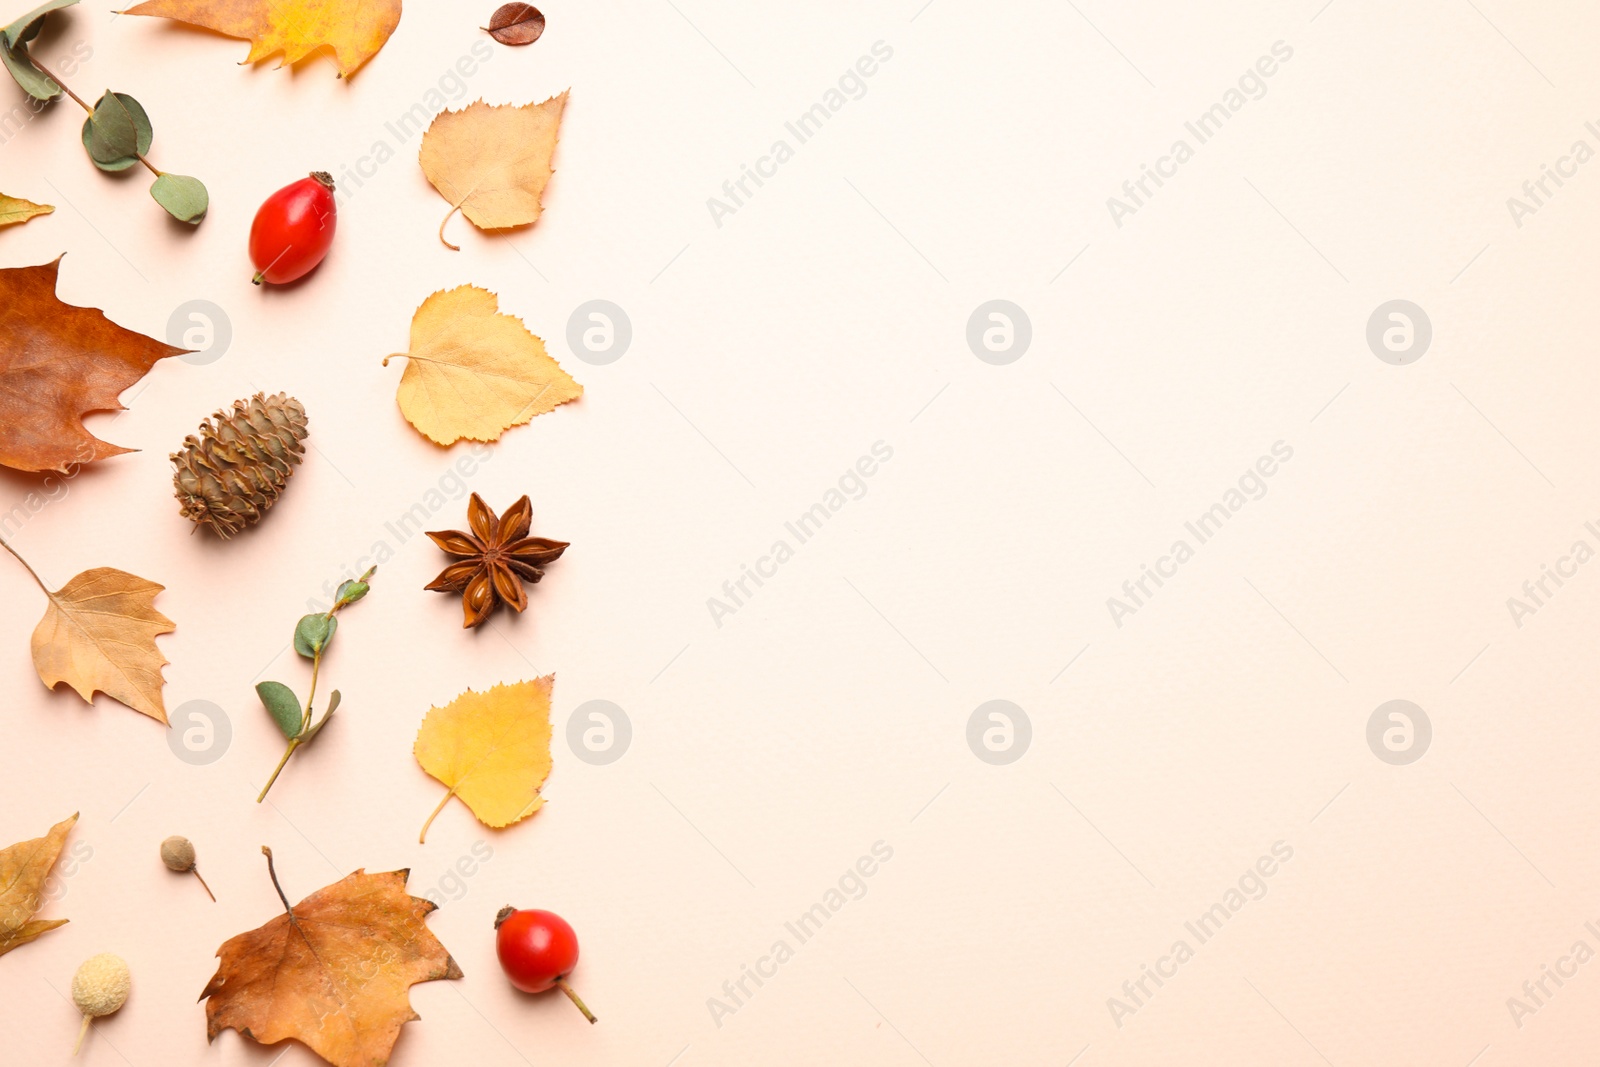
(196, 872)
(447, 218)
(7, 546)
(64, 88)
(273, 872)
(561, 983)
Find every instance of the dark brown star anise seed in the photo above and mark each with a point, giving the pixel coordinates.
(496, 557)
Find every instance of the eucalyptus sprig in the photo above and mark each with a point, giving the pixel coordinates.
(312, 636)
(117, 133)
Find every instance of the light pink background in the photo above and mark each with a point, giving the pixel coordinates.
(830, 712)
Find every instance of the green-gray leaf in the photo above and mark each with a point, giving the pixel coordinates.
(26, 75)
(26, 28)
(117, 133)
(352, 591)
(282, 705)
(184, 198)
(313, 634)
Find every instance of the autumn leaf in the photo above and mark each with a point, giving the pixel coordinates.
(334, 972)
(99, 634)
(14, 210)
(491, 749)
(58, 363)
(24, 869)
(492, 163)
(353, 29)
(473, 372)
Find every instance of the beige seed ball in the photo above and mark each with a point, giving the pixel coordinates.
(101, 985)
(178, 853)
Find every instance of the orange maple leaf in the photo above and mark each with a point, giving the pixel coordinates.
(334, 972)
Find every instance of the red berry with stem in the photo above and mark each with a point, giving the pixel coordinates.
(538, 950)
(293, 230)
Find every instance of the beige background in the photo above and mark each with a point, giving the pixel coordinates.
(829, 313)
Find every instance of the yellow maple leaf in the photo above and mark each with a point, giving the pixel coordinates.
(473, 372)
(491, 749)
(99, 634)
(14, 210)
(493, 162)
(24, 869)
(354, 29)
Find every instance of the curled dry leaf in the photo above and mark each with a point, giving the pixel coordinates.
(490, 749)
(99, 634)
(14, 210)
(473, 372)
(516, 24)
(57, 364)
(334, 972)
(493, 163)
(354, 30)
(24, 869)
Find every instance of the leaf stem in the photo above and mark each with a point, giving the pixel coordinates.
(196, 872)
(7, 546)
(447, 218)
(82, 1032)
(294, 743)
(422, 838)
(272, 872)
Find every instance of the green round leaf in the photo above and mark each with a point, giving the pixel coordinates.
(24, 74)
(117, 133)
(26, 28)
(352, 591)
(282, 705)
(184, 198)
(313, 633)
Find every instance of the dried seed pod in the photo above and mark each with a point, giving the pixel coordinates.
(229, 476)
(99, 987)
(178, 854)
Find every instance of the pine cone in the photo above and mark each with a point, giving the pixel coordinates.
(236, 469)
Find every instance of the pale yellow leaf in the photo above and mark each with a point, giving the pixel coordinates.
(14, 210)
(473, 372)
(99, 634)
(24, 869)
(491, 749)
(493, 162)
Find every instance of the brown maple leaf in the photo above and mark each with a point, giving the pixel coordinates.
(496, 558)
(334, 972)
(58, 363)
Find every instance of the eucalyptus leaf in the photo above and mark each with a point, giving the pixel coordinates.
(184, 198)
(333, 706)
(282, 705)
(313, 634)
(117, 133)
(351, 591)
(26, 75)
(26, 28)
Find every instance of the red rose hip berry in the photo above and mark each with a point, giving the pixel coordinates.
(538, 950)
(293, 230)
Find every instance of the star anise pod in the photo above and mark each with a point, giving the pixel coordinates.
(496, 558)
